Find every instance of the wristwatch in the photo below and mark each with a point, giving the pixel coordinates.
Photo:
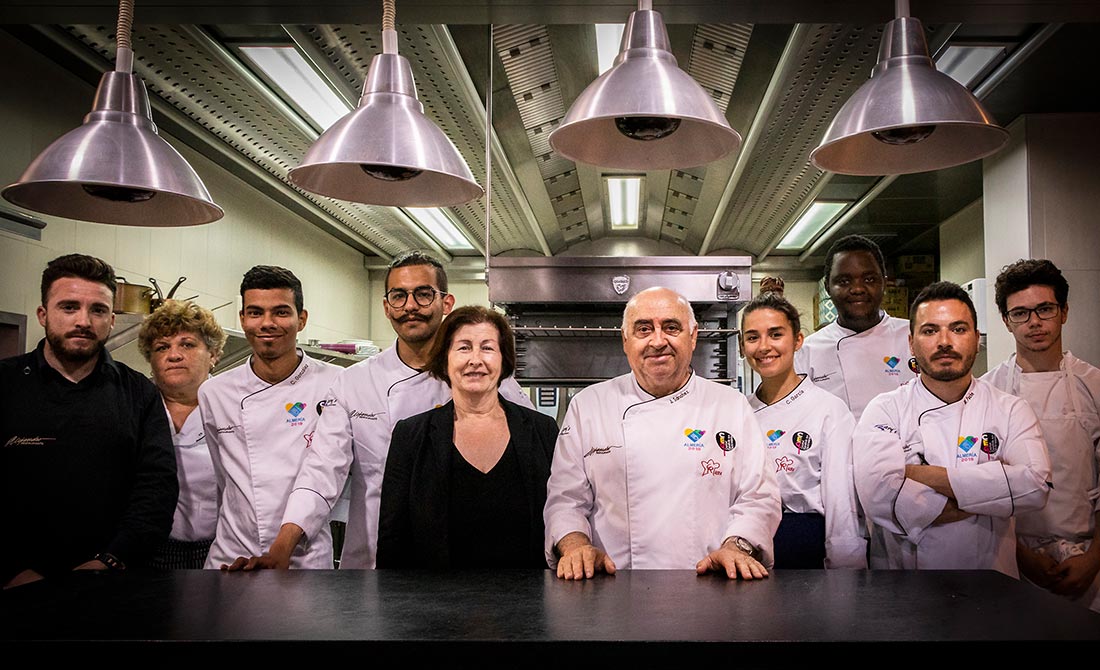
(745, 546)
(110, 560)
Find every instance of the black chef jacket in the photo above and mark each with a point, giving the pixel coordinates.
(86, 467)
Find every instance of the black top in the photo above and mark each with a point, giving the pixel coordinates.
(489, 520)
(414, 515)
(87, 467)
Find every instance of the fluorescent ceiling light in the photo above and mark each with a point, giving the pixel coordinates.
(439, 226)
(608, 37)
(812, 222)
(624, 201)
(965, 63)
(286, 67)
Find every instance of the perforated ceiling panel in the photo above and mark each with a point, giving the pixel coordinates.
(439, 82)
(528, 60)
(716, 54)
(834, 61)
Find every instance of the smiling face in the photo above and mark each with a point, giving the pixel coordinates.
(856, 285)
(769, 342)
(659, 339)
(271, 323)
(180, 362)
(78, 318)
(474, 359)
(1035, 334)
(413, 323)
(944, 340)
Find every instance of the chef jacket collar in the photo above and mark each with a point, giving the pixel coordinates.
(105, 364)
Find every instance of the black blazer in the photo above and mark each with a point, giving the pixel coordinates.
(413, 525)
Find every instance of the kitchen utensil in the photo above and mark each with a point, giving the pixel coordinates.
(160, 295)
(172, 291)
(132, 298)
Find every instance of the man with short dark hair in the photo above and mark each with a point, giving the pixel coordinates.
(944, 462)
(259, 420)
(865, 351)
(660, 469)
(1058, 547)
(89, 474)
(364, 403)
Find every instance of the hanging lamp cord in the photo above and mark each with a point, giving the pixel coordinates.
(389, 31)
(124, 54)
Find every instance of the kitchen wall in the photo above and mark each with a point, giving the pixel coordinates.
(44, 102)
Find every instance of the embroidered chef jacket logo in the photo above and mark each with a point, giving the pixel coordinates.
(603, 450)
(565, 430)
(886, 429)
(990, 443)
(36, 441)
(369, 416)
(784, 464)
(327, 402)
(694, 434)
(725, 441)
(964, 455)
(801, 441)
(773, 437)
(711, 467)
(966, 442)
(620, 283)
(913, 366)
(891, 365)
(309, 438)
(821, 378)
(295, 409)
(225, 430)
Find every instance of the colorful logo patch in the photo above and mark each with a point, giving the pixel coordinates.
(694, 434)
(990, 443)
(801, 441)
(913, 366)
(711, 467)
(295, 408)
(775, 434)
(892, 361)
(725, 441)
(966, 443)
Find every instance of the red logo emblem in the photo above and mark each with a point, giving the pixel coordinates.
(711, 467)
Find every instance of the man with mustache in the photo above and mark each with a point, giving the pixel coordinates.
(89, 473)
(944, 462)
(659, 468)
(1058, 547)
(362, 406)
(865, 351)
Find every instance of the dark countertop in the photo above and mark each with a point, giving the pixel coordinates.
(634, 613)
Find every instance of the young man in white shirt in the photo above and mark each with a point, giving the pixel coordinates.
(1057, 547)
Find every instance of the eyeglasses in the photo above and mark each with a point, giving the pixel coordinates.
(423, 295)
(1047, 310)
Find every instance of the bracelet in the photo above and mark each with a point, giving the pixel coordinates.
(110, 560)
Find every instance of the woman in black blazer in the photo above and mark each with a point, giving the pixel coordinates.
(465, 483)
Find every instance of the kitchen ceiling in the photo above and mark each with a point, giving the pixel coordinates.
(780, 72)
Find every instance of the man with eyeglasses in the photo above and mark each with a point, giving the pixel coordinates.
(864, 352)
(352, 438)
(1057, 547)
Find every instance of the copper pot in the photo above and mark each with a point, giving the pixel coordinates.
(132, 298)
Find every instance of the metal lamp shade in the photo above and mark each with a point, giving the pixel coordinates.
(908, 117)
(387, 152)
(645, 113)
(115, 168)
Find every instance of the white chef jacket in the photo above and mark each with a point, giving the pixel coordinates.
(1067, 402)
(996, 461)
(259, 434)
(856, 367)
(808, 439)
(659, 483)
(196, 515)
(365, 401)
